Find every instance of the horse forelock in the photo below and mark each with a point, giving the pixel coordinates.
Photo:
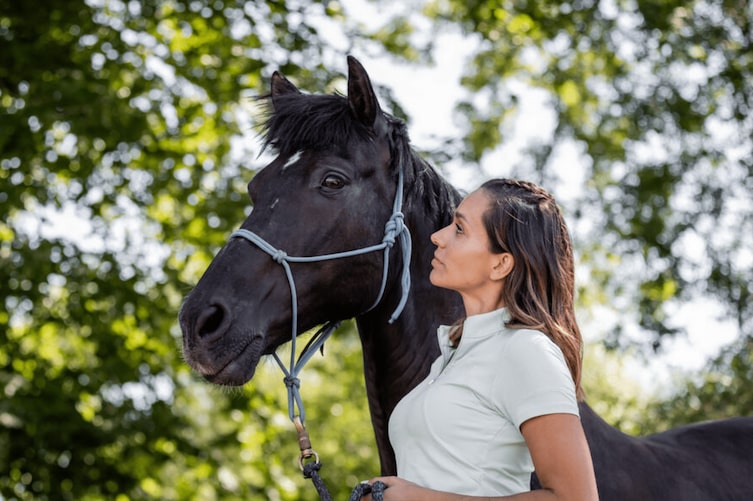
(297, 122)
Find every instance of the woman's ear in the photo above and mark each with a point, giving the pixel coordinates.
(502, 265)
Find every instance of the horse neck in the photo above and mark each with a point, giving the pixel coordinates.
(398, 356)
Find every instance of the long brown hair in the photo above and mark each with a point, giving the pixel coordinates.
(524, 220)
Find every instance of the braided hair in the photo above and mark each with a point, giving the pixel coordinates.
(524, 220)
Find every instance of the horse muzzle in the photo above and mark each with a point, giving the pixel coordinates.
(217, 347)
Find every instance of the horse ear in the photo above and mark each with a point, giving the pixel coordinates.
(281, 86)
(361, 98)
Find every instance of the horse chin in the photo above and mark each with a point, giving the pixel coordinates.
(239, 370)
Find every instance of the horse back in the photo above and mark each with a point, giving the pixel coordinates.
(708, 460)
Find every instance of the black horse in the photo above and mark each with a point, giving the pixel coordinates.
(342, 165)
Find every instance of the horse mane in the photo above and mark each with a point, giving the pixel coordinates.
(424, 183)
(296, 122)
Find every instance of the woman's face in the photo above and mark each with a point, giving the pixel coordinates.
(462, 260)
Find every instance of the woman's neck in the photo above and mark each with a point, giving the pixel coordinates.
(481, 304)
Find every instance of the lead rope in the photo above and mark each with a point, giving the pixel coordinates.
(311, 470)
(394, 228)
(376, 490)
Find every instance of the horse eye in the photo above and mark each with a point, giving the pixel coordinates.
(333, 182)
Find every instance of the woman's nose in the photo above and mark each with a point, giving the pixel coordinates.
(435, 238)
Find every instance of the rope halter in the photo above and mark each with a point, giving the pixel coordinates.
(394, 229)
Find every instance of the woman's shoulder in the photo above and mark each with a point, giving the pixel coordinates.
(523, 343)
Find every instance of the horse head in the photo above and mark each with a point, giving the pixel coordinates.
(330, 189)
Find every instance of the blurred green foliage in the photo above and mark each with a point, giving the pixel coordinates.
(127, 135)
(656, 97)
(722, 390)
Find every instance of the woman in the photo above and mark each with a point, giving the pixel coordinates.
(501, 399)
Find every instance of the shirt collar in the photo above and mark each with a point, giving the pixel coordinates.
(485, 324)
(474, 327)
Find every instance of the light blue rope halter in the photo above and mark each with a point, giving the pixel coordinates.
(394, 228)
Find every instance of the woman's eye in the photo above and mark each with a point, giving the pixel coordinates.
(333, 182)
(458, 228)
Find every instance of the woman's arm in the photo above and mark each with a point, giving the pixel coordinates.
(560, 456)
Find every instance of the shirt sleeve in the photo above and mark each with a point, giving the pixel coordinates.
(533, 379)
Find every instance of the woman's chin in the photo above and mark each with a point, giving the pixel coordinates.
(434, 278)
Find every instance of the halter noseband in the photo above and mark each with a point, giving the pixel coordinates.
(393, 229)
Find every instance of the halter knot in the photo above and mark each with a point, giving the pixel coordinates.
(279, 256)
(394, 227)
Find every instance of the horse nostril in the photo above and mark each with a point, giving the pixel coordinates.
(210, 321)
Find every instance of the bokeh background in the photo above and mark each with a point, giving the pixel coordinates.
(128, 132)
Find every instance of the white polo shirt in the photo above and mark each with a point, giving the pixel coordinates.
(459, 430)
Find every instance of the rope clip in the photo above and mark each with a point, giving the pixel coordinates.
(304, 443)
